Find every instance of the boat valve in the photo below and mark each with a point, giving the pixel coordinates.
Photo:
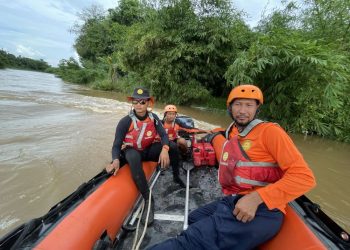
(344, 236)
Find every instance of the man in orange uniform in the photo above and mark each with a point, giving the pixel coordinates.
(172, 128)
(260, 171)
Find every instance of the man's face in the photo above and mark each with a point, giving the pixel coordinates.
(140, 106)
(170, 116)
(243, 111)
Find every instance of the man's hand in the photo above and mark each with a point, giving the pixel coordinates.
(246, 207)
(164, 158)
(113, 166)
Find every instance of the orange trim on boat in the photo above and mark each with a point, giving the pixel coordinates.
(294, 234)
(105, 209)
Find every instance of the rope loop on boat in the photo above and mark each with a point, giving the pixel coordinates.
(136, 246)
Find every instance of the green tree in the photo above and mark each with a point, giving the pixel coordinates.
(127, 12)
(302, 66)
(183, 50)
(328, 20)
(94, 35)
(306, 84)
(8, 60)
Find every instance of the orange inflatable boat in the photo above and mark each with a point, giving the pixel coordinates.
(99, 209)
(96, 208)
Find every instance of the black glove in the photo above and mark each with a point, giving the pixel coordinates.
(209, 137)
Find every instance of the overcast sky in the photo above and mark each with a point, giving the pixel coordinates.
(39, 28)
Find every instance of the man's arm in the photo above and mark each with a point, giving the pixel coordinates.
(160, 130)
(298, 177)
(120, 132)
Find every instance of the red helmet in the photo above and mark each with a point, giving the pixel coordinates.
(170, 108)
(245, 91)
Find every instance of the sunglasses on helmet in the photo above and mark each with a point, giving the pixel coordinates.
(142, 101)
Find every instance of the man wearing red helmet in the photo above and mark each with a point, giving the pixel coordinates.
(260, 171)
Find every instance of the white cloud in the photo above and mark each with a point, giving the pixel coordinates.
(256, 9)
(48, 10)
(27, 51)
(76, 56)
(107, 4)
(39, 28)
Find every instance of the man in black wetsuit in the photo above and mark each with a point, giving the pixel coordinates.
(135, 142)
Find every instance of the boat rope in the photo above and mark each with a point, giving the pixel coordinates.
(312, 210)
(136, 246)
(138, 225)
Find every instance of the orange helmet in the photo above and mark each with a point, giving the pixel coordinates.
(245, 91)
(170, 108)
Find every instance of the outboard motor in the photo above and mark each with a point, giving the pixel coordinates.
(185, 121)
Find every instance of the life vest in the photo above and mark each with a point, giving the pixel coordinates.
(141, 134)
(172, 130)
(237, 172)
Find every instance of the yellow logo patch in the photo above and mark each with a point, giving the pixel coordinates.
(139, 91)
(225, 156)
(246, 145)
(149, 133)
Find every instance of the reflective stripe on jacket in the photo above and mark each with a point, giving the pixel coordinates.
(141, 134)
(237, 173)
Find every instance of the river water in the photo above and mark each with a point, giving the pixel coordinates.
(55, 136)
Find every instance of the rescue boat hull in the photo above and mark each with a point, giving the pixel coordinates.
(97, 212)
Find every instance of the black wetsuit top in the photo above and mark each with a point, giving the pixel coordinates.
(123, 128)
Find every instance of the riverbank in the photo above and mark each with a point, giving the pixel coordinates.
(8, 60)
(96, 79)
(293, 120)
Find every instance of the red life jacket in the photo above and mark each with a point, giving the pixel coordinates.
(172, 131)
(238, 173)
(141, 134)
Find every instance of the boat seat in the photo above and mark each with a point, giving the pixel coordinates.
(294, 234)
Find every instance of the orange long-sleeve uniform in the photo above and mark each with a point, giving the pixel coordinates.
(268, 142)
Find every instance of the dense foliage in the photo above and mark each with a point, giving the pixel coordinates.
(188, 51)
(8, 60)
(70, 71)
(304, 72)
